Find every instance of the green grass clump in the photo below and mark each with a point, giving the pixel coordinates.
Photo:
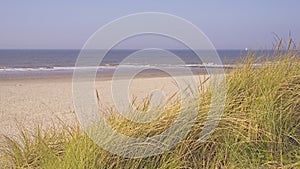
(260, 128)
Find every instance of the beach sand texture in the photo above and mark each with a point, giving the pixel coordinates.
(29, 101)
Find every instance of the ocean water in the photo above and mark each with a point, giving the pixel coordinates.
(23, 62)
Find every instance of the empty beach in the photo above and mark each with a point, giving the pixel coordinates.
(32, 100)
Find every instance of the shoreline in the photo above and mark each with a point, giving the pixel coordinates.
(102, 76)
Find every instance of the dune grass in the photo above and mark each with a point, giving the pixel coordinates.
(260, 128)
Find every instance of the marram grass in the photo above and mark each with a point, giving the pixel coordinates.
(260, 128)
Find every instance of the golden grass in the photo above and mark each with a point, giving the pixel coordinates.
(260, 128)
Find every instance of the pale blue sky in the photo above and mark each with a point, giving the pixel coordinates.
(230, 24)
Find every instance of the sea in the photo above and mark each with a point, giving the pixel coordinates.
(46, 61)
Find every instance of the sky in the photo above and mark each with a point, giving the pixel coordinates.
(230, 24)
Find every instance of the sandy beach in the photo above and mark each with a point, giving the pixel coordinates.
(32, 100)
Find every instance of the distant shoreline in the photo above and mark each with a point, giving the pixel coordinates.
(103, 76)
